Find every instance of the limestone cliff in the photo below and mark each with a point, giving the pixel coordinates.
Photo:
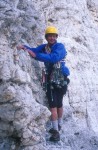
(23, 111)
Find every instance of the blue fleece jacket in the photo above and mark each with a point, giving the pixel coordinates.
(58, 52)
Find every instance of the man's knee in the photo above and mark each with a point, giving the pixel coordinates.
(53, 110)
(54, 113)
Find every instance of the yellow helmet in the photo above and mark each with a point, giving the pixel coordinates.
(51, 29)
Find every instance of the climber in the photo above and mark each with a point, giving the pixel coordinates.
(53, 55)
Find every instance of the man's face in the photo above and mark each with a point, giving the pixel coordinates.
(51, 38)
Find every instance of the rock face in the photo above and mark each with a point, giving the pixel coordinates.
(23, 114)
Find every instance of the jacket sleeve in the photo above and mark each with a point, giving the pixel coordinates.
(57, 54)
(37, 49)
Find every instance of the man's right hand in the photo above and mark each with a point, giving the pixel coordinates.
(19, 47)
(25, 49)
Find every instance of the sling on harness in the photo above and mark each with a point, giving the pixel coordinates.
(55, 78)
(44, 79)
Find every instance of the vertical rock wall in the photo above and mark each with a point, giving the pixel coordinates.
(21, 117)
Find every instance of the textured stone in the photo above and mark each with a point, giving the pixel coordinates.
(22, 114)
(9, 93)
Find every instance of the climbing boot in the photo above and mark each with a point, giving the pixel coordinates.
(52, 131)
(55, 136)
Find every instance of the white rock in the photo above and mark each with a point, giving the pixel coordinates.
(25, 22)
(9, 93)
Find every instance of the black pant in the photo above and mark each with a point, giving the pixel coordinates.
(55, 95)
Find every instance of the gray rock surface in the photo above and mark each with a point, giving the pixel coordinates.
(23, 111)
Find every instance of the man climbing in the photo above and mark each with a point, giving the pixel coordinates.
(53, 54)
